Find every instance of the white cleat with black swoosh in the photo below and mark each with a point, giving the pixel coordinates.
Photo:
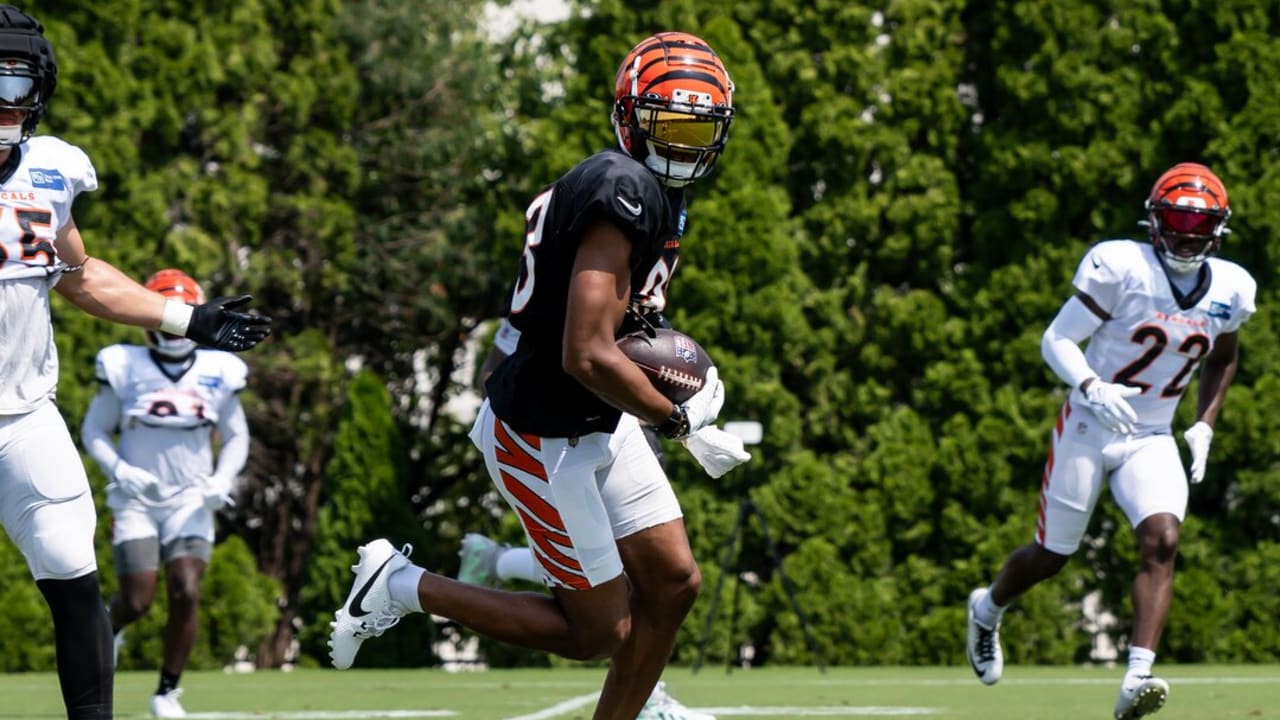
(369, 610)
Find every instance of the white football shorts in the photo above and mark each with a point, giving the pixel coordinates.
(187, 518)
(576, 498)
(45, 503)
(1145, 474)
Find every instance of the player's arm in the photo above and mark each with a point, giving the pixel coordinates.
(1077, 320)
(1216, 373)
(98, 288)
(234, 431)
(599, 290)
(101, 290)
(1079, 317)
(99, 423)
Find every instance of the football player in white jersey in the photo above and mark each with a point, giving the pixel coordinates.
(45, 503)
(165, 400)
(1153, 313)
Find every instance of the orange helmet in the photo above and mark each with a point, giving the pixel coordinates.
(1187, 213)
(179, 286)
(673, 102)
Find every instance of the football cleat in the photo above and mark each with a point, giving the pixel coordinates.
(661, 706)
(369, 610)
(983, 644)
(479, 564)
(1140, 696)
(166, 705)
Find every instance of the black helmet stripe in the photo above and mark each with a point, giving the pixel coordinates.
(685, 75)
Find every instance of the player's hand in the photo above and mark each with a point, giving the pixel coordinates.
(1198, 437)
(716, 451)
(701, 409)
(216, 492)
(133, 481)
(1107, 400)
(216, 324)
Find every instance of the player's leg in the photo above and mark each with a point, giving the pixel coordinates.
(186, 545)
(484, 561)
(1151, 487)
(550, 482)
(135, 550)
(1069, 490)
(655, 551)
(48, 511)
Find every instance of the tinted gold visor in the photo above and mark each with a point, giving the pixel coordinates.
(681, 129)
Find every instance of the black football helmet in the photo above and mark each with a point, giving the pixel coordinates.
(28, 71)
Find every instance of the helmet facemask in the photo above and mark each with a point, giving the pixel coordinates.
(1186, 236)
(679, 141)
(19, 91)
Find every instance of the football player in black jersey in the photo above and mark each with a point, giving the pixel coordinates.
(561, 429)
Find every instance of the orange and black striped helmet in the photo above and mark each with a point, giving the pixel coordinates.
(673, 102)
(176, 285)
(1187, 213)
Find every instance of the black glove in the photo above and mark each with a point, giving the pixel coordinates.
(216, 325)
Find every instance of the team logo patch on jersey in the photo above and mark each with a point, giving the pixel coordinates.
(686, 350)
(684, 217)
(1219, 310)
(213, 382)
(48, 179)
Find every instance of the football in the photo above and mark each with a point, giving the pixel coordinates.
(675, 363)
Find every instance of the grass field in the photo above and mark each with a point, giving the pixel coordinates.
(1199, 692)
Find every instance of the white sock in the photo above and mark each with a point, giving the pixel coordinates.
(518, 564)
(403, 586)
(1140, 661)
(987, 612)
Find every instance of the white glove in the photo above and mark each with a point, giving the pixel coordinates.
(1198, 437)
(216, 492)
(716, 451)
(701, 409)
(1107, 401)
(133, 481)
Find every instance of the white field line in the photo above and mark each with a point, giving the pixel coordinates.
(321, 715)
(835, 711)
(945, 682)
(560, 708)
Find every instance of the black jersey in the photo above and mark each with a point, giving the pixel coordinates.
(529, 390)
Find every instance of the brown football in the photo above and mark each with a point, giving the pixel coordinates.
(675, 363)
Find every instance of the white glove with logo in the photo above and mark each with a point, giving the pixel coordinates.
(716, 451)
(133, 481)
(1198, 437)
(701, 409)
(216, 492)
(1107, 401)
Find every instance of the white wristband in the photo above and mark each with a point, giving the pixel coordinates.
(176, 317)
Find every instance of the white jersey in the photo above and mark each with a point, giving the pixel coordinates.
(35, 203)
(1155, 338)
(166, 420)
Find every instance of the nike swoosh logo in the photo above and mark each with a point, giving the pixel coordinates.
(634, 209)
(1096, 264)
(357, 602)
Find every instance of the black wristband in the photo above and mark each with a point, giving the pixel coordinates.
(676, 425)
